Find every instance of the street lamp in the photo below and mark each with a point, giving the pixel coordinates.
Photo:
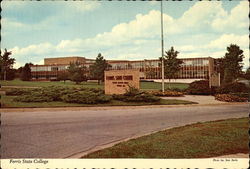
(162, 51)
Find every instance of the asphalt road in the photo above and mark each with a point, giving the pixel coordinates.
(61, 134)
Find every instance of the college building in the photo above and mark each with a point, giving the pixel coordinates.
(191, 68)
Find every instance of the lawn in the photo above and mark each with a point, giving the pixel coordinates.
(143, 85)
(200, 140)
(18, 82)
(157, 86)
(7, 102)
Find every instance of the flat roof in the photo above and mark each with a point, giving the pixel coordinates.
(116, 61)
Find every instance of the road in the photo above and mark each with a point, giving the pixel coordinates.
(62, 134)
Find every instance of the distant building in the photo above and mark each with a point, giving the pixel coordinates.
(192, 68)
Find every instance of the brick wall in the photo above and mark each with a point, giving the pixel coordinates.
(117, 81)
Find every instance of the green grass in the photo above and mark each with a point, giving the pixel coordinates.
(157, 86)
(143, 85)
(18, 82)
(7, 102)
(200, 140)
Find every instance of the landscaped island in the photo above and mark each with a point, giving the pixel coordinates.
(59, 96)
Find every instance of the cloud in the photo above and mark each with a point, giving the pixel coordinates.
(236, 19)
(201, 14)
(227, 39)
(140, 38)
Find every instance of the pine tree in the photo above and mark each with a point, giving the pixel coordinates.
(98, 68)
(26, 72)
(171, 64)
(232, 63)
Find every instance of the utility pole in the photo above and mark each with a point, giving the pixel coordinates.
(162, 51)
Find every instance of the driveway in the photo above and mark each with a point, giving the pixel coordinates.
(197, 98)
(62, 134)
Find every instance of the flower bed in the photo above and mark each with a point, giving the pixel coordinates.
(230, 98)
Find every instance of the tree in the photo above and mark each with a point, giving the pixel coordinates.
(247, 74)
(77, 72)
(26, 72)
(232, 63)
(98, 68)
(6, 66)
(171, 64)
(63, 76)
(149, 72)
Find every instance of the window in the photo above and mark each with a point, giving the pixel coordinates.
(54, 68)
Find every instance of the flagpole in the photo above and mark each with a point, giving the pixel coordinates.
(162, 51)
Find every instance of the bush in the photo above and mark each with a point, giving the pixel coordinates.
(56, 93)
(135, 95)
(17, 92)
(33, 98)
(167, 93)
(199, 88)
(245, 95)
(132, 91)
(86, 97)
(142, 97)
(234, 87)
(120, 97)
(230, 98)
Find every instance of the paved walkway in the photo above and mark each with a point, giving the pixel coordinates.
(197, 98)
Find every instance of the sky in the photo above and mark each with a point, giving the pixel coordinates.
(127, 30)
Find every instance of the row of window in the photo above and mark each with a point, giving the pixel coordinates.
(127, 65)
(48, 68)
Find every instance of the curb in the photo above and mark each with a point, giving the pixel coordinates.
(6, 110)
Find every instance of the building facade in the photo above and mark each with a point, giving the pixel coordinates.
(192, 68)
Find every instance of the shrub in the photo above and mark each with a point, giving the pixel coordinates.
(234, 87)
(142, 97)
(33, 98)
(245, 95)
(167, 93)
(17, 92)
(86, 97)
(135, 95)
(230, 98)
(132, 91)
(199, 88)
(120, 97)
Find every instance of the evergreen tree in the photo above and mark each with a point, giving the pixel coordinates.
(26, 72)
(98, 68)
(171, 64)
(77, 72)
(232, 63)
(6, 66)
